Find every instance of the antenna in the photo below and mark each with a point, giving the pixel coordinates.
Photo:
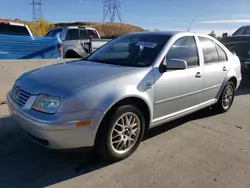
(111, 10)
(192, 23)
(37, 9)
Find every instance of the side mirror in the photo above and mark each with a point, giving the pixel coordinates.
(173, 64)
(224, 34)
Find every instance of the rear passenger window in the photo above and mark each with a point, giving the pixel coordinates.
(221, 52)
(72, 34)
(209, 50)
(185, 48)
(83, 34)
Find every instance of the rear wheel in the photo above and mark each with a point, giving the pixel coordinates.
(121, 133)
(226, 99)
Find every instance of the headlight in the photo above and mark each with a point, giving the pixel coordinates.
(47, 104)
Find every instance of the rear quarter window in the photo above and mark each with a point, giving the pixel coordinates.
(222, 53)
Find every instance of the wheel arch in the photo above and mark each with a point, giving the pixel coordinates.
(136, 101)
(234, 80)
(70, 51)
(231, 78)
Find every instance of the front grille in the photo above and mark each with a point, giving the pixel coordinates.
(19, 96)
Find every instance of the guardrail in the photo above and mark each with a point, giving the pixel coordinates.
(29, 47)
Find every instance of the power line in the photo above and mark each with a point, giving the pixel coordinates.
(112, 11)
(37, 9)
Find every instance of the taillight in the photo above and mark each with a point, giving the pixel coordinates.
(60, 50)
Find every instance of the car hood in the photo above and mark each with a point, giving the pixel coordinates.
(63, 79)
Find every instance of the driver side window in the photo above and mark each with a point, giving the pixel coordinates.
(184, 49)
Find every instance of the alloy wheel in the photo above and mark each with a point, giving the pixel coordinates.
(125, 133)
(227, 97)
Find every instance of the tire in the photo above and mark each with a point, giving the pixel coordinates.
(112, 137)
(223, 105)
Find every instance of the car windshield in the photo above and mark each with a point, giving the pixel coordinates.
(53, 33)
(139, 50)
(243, 31)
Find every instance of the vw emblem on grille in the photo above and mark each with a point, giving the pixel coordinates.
(15, 94)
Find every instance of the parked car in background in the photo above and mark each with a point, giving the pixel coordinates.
(18, 42)
(239, 43)
(76, 40)
(135, 82)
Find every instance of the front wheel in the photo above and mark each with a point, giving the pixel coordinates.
(121, 133)
(226, 99)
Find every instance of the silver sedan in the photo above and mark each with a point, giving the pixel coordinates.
(134, 82)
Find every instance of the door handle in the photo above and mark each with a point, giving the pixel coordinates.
(224, 68)
(198, 75)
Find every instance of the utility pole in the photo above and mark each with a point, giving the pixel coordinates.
(111, 11)
(37, 9)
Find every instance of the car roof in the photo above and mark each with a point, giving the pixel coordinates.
(168, 33)
(73, 27)
(12, 23)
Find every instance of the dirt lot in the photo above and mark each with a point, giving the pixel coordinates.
(200, 150)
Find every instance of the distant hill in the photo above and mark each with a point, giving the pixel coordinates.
(105, 29)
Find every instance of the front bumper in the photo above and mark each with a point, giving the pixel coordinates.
(64, 135)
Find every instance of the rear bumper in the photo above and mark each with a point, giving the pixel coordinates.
(69, 137)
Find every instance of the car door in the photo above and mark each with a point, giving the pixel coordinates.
(177, 91)
(215, 68)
